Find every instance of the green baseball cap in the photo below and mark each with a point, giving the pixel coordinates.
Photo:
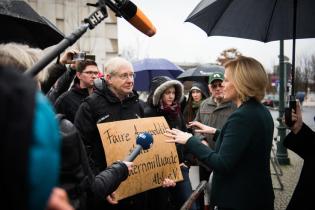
(216, 76)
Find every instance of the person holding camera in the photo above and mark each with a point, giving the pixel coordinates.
(68, 103)
(301, 140)
(64, 71)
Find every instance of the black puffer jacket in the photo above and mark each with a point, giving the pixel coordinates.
(69, 102)
(103, 106)
(62, 84)
(76, 176)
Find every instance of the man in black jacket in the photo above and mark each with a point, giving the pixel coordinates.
(76, 176)
(68, 103)
(301, 140)
(114, 100)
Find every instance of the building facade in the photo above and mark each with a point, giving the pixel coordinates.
(68, 15)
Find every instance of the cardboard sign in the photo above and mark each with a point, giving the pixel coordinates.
(151, 166)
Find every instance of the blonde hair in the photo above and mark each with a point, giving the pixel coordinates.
(21, 57)
(114, 64)
(249, 77)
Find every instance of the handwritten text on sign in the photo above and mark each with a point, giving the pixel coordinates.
(152, 165)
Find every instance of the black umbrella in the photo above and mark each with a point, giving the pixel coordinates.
(200, 73)
(262, 20)
(22, 24)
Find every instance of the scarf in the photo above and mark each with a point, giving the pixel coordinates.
(171, 111)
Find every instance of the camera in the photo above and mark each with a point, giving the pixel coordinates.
(288, 111)
(81, 56)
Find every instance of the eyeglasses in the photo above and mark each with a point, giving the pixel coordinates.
(125, 76)
(91, 72)
(214, 86)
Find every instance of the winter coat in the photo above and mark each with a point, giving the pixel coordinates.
(30, 143)
(68, 103)
(63, 83)
(54, 72)
(104, 106)
(189, 111)
(77, 178)
(303, 144)
(241, 159)
(158, 86)
(213, 115)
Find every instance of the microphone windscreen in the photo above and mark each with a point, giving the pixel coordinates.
(145, 140)
(142, 23)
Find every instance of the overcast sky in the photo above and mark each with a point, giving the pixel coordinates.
(181, 41)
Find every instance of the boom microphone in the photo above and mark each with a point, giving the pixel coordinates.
(132, 14)
(143, 141)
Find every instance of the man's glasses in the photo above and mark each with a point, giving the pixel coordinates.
(91, 72)
(214, 86)
(125, 76)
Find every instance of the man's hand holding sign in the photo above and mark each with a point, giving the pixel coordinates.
(153, 167)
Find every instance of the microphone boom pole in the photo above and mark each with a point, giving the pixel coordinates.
(94, 19)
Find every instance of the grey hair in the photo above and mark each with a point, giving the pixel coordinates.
(114, 64)
(21, 57)
(18, 55)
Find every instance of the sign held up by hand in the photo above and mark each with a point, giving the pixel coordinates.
(151, 166)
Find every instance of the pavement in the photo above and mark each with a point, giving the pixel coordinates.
(310, 100)
(289, 178)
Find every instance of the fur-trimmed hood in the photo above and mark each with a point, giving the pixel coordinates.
(159, 84)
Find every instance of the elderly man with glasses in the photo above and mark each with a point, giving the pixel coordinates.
(213, 112)
(113, 100)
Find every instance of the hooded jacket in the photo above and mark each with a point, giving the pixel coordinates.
(69, 102)
(158, 86)
(190, 111)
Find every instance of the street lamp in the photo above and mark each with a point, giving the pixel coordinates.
(282, 154)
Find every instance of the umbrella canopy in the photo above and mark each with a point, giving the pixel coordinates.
(265, 21)
(148, 68)
(23, 25)
(200, 73)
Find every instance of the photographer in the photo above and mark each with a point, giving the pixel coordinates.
(68, 103)
(65, 71)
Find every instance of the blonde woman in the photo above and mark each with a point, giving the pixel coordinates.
(241, 158)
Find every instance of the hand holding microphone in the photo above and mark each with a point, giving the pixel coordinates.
(143, 141)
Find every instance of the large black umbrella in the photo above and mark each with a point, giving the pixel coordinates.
(20, 23)
(200, 73)
(262, 20)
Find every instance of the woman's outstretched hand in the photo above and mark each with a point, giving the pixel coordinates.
(201, 128)
(177, 136)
